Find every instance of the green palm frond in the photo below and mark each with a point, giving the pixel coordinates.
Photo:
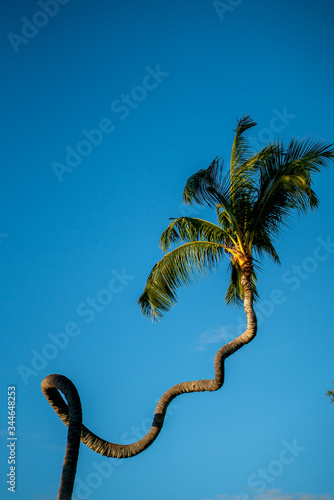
(234, 290)
(207, 186)
(235, 294)
(241, 150)
(263, 245)
(224, 218)
(285, 180)
(310, 154)
(187, 229)
(178, 267)
(250, 168)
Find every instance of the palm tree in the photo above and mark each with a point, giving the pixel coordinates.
(330, 394)
(253, 201)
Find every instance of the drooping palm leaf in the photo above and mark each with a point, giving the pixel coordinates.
(312, 155)
(235, 292)
(263, 245)
(178, 267)
(187, 229)
(208, 186)
(285, 181)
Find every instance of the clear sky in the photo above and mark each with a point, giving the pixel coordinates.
(107, 109)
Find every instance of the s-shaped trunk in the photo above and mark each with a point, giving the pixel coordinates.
(53, 383)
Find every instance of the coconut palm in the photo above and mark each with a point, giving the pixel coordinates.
(330, 394)
(253, 201)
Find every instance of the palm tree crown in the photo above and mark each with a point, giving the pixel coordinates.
(254, 200)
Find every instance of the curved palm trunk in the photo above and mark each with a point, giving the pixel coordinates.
(50, 387)
(51, 383)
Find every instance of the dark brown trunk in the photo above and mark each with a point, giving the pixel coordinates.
(51, 384)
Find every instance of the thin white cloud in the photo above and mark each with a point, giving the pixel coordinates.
(219, 335)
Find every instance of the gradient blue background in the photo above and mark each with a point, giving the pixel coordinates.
(60, 242)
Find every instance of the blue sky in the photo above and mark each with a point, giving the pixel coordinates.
(107, 109)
